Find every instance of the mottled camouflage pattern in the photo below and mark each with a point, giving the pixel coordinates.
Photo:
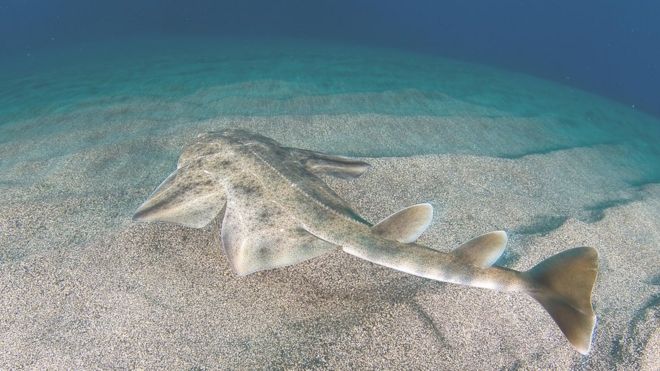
(278, 213)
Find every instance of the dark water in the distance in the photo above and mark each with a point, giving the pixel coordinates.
(605, 46)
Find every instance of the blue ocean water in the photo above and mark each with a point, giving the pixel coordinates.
(607, 47)
(169, 81)
(61, 55)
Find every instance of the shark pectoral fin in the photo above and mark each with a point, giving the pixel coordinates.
(483, 251)
(405, 225)
(339, 166)
(257, 234)
(187, 197)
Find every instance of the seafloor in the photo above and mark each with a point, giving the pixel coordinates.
(87, 133)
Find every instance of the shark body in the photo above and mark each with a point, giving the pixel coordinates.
(278, 212)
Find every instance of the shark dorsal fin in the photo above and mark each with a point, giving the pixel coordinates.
(483, 251)
(406, 225)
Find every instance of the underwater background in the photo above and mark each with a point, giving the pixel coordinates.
(539, 118)
(607, 47)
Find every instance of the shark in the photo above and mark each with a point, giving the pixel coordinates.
(276, 211)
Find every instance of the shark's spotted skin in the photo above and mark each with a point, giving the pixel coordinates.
(278, 213)
(190, 196)
(259, 234)
(262, 184)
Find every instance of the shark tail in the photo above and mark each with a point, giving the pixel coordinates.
(563, 284)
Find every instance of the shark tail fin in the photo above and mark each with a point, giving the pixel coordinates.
(563, 285)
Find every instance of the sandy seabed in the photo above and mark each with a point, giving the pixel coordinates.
(85, 287)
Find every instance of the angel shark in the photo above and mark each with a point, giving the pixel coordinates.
(278, 212)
